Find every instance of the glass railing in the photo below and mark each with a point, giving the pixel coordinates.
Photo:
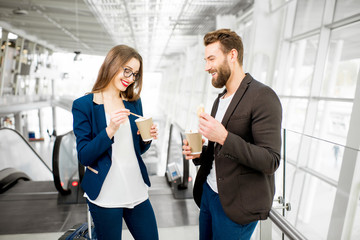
(17, 153)
(319, 186)
(177, 167)
(65, 163)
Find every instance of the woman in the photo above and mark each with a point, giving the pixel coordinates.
(109, 145)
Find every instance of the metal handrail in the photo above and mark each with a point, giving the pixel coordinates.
(285, 226)
(320, 139)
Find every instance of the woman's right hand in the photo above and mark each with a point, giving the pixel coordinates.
(117, 118)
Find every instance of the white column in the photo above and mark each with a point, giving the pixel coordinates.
(2, 63)
(347, 194)
(40, 124)
(20, 41)
(18, 123)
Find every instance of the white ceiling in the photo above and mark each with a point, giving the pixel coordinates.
(156, 28)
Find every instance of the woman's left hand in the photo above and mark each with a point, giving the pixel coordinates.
(154, 131)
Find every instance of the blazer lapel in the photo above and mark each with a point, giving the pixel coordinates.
(237, 98)
(99, 112)
(216, 104)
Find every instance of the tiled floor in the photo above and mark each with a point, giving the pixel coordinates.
(33, 209)
(173, 233)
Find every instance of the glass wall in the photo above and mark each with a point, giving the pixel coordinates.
(309, 15)
(342, 62)
(319, 74)
(346, 8)
(309, 53)
(300, 69)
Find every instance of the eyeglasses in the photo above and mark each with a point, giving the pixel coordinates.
(128, 73)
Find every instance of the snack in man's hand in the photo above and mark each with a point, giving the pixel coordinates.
(200, 109)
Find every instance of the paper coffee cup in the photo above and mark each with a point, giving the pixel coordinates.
(195, 142)
(144, 126)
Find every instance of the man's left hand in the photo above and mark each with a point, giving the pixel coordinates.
(212, 129)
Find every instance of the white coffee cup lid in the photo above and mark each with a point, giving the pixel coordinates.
(141, 119)
(187, 132)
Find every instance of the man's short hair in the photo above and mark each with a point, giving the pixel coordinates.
(228, 40)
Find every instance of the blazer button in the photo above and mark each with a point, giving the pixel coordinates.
(220, 179)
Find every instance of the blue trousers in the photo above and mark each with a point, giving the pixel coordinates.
(140, 221)
(213, 222)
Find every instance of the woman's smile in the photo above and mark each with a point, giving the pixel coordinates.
(124, 83)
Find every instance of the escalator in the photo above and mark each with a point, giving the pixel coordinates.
(17, 153)
(34, 197)
(67, 171)
(177, 167)
(42, 199)
(19, 161)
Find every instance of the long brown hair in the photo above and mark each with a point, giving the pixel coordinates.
(228, 40)
(117, 57)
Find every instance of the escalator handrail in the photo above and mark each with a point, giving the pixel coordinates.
(27, 142)
(186, 170)
(185, 174)
(55, 162)
(9, 177)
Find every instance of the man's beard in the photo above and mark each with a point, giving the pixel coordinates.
(223, 75)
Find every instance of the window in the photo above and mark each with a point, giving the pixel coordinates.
(308, 15)
(300, 67)
(343, 63)
(346, 8)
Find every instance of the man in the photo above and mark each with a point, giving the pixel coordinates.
(234, 186)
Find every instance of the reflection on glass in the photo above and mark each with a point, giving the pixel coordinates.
(308, 15)
(343, 63)
(276, 233)
(244, 30)
(315, 208)
(329, 157)
(332, 121)
(293, 140)
(312, 173)
(300, 67)
(261, 65)
(294, 112)
(68, 162)
(277, 3)
(346, 8)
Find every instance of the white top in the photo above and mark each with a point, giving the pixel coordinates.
(223, 105)
(123, 186)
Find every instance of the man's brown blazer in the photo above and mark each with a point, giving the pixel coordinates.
(246, 163)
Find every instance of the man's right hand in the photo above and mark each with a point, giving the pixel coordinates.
(187, 150)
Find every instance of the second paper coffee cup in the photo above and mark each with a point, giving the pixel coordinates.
(195, 141)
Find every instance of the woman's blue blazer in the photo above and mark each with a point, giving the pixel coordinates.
(93, 145)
